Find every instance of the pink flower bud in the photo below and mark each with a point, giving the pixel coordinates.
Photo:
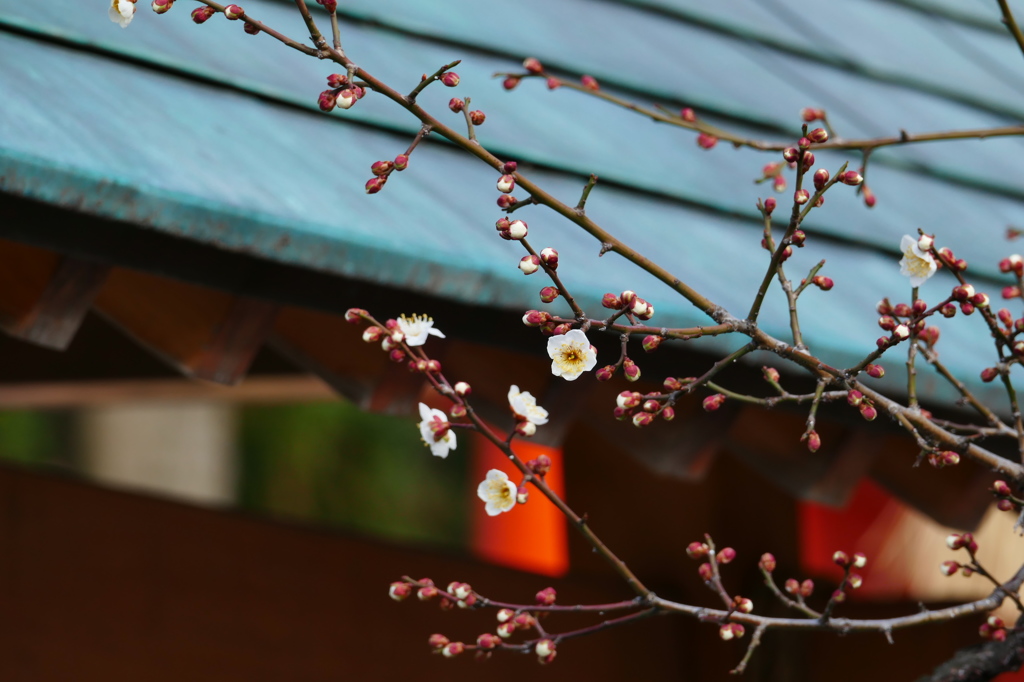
(770, 374)
(549, 257)
(533, 65)
(810, 115)
(611, 301)
(726, 632)
(875, 371)
(854, 397)
(713, 402)
(553, 83)
(517, 229)
(841, 559)
(967, 307)
(792, 586)
(605, 373)
(1001, 488)
(477, 117)
(337, 80)
(346, 98)
(529, 264)
(980, 300)
(801, 196)
(807, 588)
(488, 641)
(868, 411)
(743, 605)
(453, 649)
(989, 373)
(590, 83)
(399, 590)
(948, 310)
(1005, 317)
(726, 555)
(329, 5)
(949, 568)
(373, 334)
(1005, 505)
(535, 318)
(798, 238)
(706, 141)
(791, 154)
(627, 297)
(813, 441)
(901, 332)
(688, 115)
(668, 413)
(379, 168)
(641, 419)
(374, 185)
(450, 79)
(161, 6)
(251, 28)
(522, 494)
(526, 429)
(696, 550)
(705, 572)
(510, 82)
(506, 200)
(767, 562)
(201, 14)
(548, 294)
(540, 466)
(355, 315)
(546, 597)
(630, 370)
(803, 143)
(438, 642)
(651, 343)
(852, 178)
(506, 183)
(233, 12)
(818, 135)
(807, 160)
(821, 177)
(456, 104)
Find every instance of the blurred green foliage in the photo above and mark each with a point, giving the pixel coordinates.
(28, 437)
(331, 463)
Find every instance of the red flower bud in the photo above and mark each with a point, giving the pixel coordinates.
(769, 205)
(767, 562)
(713, 402)
(450, 79)
(706, 141)
(726, 555)
(456, 104)
(651, 343)
(201, 14)
(477, 117)
(233, 12)
(590, 83)
(818, 135)
(374, 185)
(533, 65)
(875, 371)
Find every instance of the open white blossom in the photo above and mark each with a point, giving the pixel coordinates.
(416, 329)
(571, 354)
(436, 432)
(916, 264)
(497, 492)
(121, 12)
(525, 407)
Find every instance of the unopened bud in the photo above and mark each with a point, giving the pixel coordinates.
(818, 135)
(852, 178)
(346, 98)
(767, 562)
(477, 117)
(522, 494)
(705, 141)
(651, 343)
(590, 83)
(860, 560)
(453, 649)
(400, 590)
(201, 14)
(726, 555)
(533, 65)
(801, 196)
(529, 264)
(162, 6)
(517, 229)
(506, 183)
(450, 79)
(233, 12)
(821, 178)
(769, 205)
(813, 441)
(841, 559)
(949, 568)
(549, 257)
(546, 597)
(456, 104)
(696, 550)
(548, 294)
(605, 373)
(875, 371)
(713, 402)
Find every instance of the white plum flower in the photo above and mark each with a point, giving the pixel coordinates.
(525, 407)
(121, 12)
(436, 431)
(571, 354)
(916, 264)
(497, 492)
(416, 329)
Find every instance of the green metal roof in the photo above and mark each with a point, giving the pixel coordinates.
(212, 135)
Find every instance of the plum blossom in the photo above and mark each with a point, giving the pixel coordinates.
(916, 264)
(571, 354)
(497, 492)
(436, 431)
(121, 12)
(525, 407)
(416, 329)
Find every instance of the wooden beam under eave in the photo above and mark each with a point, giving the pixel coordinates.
(326, 345)
(205, 333)
(44, 296)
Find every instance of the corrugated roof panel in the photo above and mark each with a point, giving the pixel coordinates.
(567, 130)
